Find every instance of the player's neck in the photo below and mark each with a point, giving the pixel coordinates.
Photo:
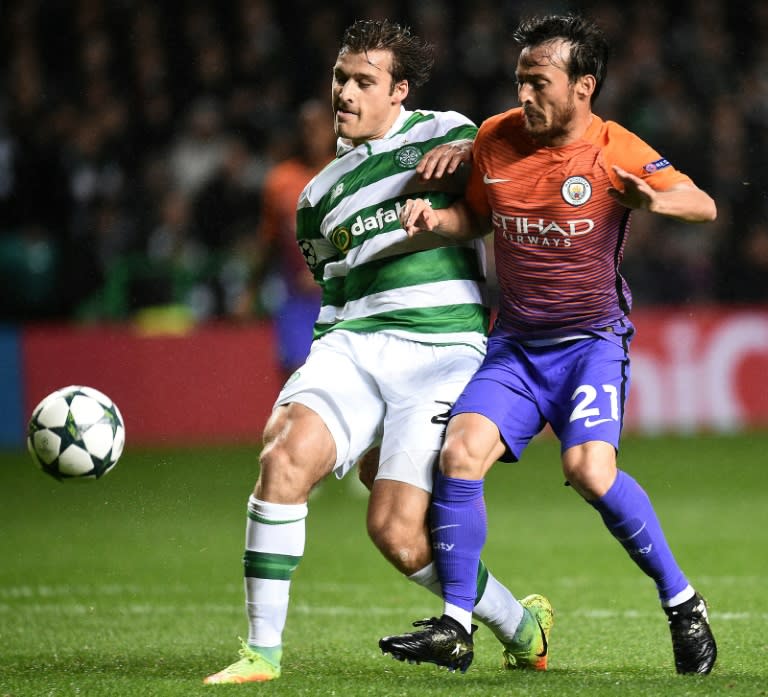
(578, 128)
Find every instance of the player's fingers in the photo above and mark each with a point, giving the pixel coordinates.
(414, 216)
(409, 215)
(427, 218)
(436, 162)
(426, 168)
(456, 160)
(448, 162)
(405, 211)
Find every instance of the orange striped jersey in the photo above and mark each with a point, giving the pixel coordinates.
(558, 235)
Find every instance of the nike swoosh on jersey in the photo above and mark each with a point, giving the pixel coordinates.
(589, 423)
(489, 180)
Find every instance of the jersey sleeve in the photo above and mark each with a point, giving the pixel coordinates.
(474, 193)
(632, 153)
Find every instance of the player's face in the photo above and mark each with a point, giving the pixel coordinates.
(366, 101)
(545, 92)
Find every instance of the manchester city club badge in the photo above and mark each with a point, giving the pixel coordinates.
(576, 190)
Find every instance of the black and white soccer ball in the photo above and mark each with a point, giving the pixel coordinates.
(76, 432)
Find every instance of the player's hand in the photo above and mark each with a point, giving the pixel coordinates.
(418, 216)
(636, 193)
(445, 159)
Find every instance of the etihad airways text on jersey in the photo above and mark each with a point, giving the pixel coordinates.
(513, 225)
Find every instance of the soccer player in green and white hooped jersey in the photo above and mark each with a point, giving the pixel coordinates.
(373, 277)
(400, 331)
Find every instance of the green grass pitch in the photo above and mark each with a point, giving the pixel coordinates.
(132, 585)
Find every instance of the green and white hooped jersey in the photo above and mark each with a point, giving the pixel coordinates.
(374, 277)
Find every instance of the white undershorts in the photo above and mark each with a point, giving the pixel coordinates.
(373, 389)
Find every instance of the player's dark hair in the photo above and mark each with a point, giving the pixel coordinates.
(589, 46)
(412, 57)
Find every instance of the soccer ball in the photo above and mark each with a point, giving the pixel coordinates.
(76, 432)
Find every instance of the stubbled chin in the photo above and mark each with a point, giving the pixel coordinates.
(529, 128)
(535, 127)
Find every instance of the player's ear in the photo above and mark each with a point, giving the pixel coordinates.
(585, 86)
(399, 91)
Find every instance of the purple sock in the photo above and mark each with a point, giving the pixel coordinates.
(628, 514)
(458, 526)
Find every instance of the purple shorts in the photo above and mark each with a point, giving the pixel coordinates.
(578, 387)
(294, 322)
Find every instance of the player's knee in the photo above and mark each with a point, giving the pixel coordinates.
(589, 477)
(281, 478)
(456, 460)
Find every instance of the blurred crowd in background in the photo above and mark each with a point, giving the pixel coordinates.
(136, 136)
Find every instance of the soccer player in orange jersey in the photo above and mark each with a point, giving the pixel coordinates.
(556, 184)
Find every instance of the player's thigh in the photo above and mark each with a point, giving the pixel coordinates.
(504, 391)
(418, 406)
(590, 406)
(298, 452)
(332, 384)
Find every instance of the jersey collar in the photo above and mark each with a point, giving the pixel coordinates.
(344, 145)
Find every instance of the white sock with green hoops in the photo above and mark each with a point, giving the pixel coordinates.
(274, 545)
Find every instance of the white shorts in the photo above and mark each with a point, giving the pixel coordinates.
(373, 389)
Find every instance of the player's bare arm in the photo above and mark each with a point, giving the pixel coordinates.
(445, 159)
(455, 222)
(685, 202)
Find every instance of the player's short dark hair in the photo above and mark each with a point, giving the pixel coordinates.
(412, 57)
(590, 48)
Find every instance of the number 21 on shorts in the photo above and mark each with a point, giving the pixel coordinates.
(585, 397)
